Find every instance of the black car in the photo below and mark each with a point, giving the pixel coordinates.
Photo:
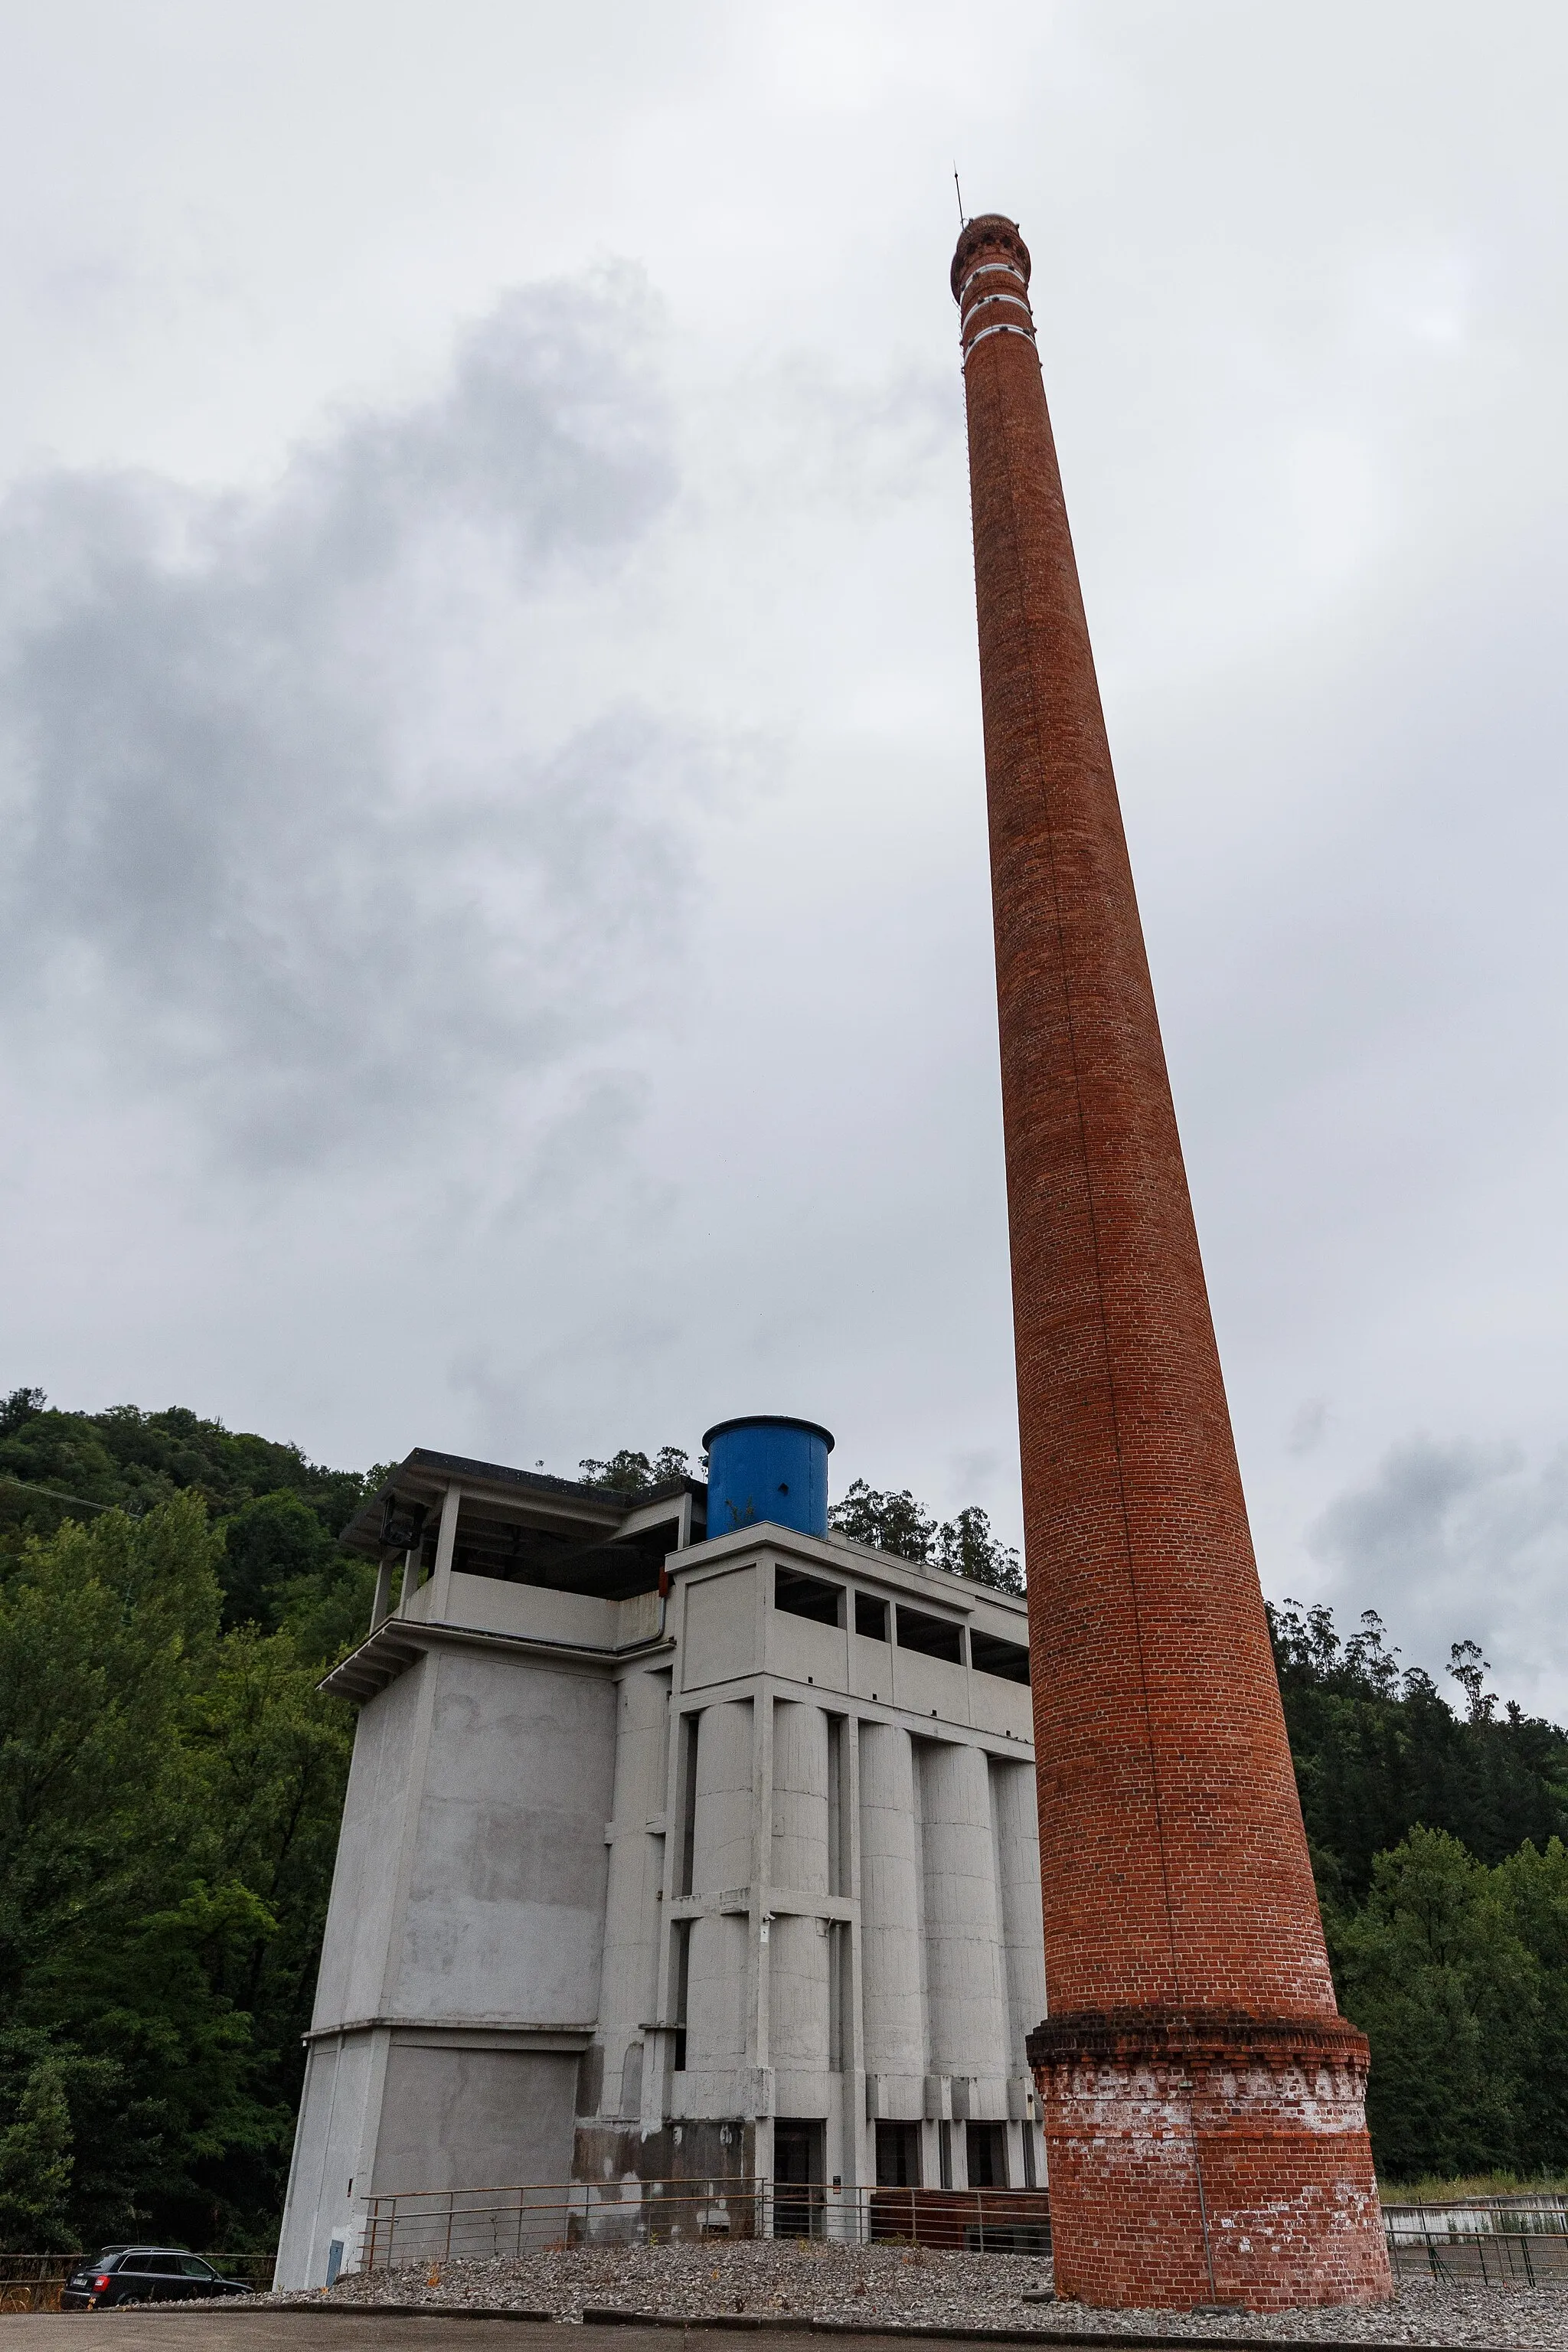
(143, 2274)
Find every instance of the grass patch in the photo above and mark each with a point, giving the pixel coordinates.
(1433, 2189)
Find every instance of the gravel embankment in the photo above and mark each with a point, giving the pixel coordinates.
(882, 2286)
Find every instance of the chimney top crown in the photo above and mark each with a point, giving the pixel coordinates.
(989, 236)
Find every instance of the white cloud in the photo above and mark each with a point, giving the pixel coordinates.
(1454, 1540)
(258, 847)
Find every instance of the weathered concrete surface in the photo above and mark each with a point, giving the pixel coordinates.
(598, 1910)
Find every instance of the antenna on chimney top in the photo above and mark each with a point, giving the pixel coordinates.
(963, 221)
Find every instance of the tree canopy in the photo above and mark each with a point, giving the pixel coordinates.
(171, 1784)
(894, 1522)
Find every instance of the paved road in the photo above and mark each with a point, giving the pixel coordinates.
(216, 2330)
(309, 2331)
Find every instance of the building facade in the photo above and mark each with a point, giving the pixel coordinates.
(666, 1854)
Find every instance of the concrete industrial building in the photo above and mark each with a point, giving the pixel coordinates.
(668, 1853)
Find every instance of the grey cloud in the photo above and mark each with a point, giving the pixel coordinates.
(1454, 1540)
(285, 834)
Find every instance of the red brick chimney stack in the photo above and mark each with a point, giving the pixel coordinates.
(1203, 2098)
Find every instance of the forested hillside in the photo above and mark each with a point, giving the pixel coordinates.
(171, 1782)
(170, 1786)
(1438, 1840)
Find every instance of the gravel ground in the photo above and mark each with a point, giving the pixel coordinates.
(888, 2285)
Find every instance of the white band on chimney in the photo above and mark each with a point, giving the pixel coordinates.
(986, 302)
(984, 266)
(1005, 327)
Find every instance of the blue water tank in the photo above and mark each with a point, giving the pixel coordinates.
(767, 1468)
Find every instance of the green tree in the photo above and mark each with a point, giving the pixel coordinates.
(37, 2163)
(168, 1804)
(1451, 1999)
(964, 1545)
(631, 1473)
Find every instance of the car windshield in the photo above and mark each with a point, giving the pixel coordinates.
(194, 2267)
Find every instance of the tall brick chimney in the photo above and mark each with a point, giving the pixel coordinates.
(1203, 2098)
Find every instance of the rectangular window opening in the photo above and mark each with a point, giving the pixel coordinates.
(870, 1617)
(808, 1596)
(686, 1798)
(680, 1974)
(934, 1637)
(990, 1655)
(837, 1837)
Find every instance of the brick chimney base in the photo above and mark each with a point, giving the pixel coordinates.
(1205, 2159)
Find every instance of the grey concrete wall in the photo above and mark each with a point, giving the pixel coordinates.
(364, 1911)
(505, 1913)
(333, 2150)
(456, 2118)
(719, 1640)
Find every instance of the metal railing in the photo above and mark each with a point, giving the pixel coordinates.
(1483, 2240)
(436, 2226)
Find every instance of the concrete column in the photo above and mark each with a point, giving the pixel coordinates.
(410, 1585)
(721, 1860)
(382, 1600)
(637, 1867)
(445, 1544)
(963, 1934)
(1017, 1835)
(893, 2029)
(799, 1950)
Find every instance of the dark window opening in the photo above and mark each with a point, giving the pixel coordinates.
(934, 1637)
(898, 2155)
(807, 1596)
(990, 1655)
(985, 2152)
(681, 1972)
(870, 1617)
(686, 1798)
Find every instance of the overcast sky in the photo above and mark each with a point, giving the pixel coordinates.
(494, 931)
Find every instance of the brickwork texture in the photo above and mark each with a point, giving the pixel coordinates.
(1202, 2099)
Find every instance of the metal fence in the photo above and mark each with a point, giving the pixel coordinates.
(1484, 2241)
(479, 2224)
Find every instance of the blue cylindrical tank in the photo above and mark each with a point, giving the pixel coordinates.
(767, 1468)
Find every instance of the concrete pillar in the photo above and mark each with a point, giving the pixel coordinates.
(894, 2025)
(637, 1866)
(382, 1600)
(1017, 1836)
(717, 1971)
(962, 1931)
(799, 1948)
(446, 1545)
